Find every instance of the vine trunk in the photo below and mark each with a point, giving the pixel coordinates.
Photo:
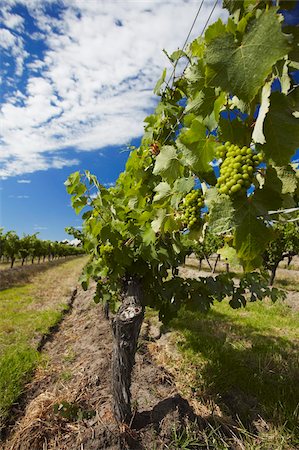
(126, 328)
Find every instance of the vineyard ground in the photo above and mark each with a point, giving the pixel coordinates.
(226, 380)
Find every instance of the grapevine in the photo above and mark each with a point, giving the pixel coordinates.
(237, 168)
(133, 231)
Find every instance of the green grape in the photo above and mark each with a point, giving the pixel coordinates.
(237, 168)
(106, 250)
(235, 188)
(190, 208)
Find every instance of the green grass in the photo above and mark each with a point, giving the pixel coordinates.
(245, 361)
(27, 313)
(20, 322)
(16, 364)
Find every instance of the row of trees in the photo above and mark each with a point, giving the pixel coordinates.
(29, 247)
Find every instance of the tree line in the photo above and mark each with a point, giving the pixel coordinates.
(30, 248)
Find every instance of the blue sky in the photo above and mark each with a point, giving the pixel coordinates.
(77, 81)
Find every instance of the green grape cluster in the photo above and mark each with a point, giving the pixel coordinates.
(190, 208)
(237, 168)
(106, 250)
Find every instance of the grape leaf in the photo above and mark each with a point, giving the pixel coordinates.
(203, 103)
(194, 105)
(195, 76)
(284, 78)
(234, 131)
(221, 214)
(158, 221)
(214, 30)
(289, 179)
(219, 102)
(197, 47)
(197, 149)
(163, 190)
(281, 141)
(230, 254)
(269, 196)
(167, 163)
(241, 68)
(234, 5)
(160, 82)
(177, 54)
(149, 236)
(251, 235)
(183, 185)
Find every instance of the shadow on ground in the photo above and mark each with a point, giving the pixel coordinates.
(249, 374)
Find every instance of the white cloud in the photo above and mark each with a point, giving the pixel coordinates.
(92, 87)
(7, 39)
(24, 181)
(14, 45)
(13, 21)
(32, 163)
(18, 196)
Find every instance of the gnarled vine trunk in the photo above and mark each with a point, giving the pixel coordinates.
(126, 328)
(273, 274)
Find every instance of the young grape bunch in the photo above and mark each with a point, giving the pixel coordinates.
(190, 208)
(237, 168)
(106, 250)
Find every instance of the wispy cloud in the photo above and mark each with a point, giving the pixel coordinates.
(39, 228)
(18, 196)
(24, 181)
(91, 87)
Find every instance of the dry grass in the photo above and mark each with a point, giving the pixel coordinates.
(20, 275)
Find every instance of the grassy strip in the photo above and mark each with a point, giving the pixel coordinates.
(16, 364)
(26, 314)
(242, 364)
